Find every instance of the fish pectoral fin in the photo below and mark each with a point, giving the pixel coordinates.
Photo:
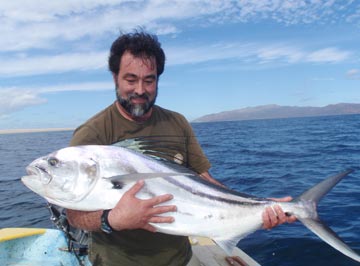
(120, 180)
(229, 246)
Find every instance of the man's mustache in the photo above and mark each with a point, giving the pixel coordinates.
(132, 96)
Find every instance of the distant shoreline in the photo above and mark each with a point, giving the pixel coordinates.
(274, 111)
(33, 130)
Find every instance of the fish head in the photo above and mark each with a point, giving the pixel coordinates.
(67, 175)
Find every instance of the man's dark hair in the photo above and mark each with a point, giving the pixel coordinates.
(139, 44)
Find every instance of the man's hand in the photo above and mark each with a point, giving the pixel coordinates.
(133, 213)
(274, 216)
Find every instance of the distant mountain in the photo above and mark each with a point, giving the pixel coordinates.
(272, 111)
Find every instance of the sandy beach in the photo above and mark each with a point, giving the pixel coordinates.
(32, 130)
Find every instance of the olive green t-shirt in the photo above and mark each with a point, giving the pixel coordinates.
(169, 133)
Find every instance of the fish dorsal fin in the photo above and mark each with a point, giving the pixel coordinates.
(133, 144)
(154, 147)
(169, 147)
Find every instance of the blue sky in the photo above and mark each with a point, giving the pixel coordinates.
(221, 55)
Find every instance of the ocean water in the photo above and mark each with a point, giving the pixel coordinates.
(267, 158)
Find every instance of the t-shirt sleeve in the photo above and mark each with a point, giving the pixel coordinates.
(197, 159)
(85, 135)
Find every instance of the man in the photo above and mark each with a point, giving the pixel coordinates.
(124, 235)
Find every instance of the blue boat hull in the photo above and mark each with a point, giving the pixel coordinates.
(47, 247)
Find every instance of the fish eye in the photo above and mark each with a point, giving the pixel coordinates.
(53, 161)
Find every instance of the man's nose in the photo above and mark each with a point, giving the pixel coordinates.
(140, 88)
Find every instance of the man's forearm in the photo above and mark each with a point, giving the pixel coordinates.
(90, 221)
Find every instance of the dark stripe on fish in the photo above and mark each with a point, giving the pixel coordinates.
(192, 190)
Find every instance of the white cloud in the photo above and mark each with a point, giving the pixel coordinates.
(353, 73)
(44, 10)
(24, 65)
(258, 53)
(12, 100)
(280, 52)
(42, 37)
(289, 12)
(49, 24)
(57, 27)
(46, 24)
(331, 55)
(83, 86)
(17, 98)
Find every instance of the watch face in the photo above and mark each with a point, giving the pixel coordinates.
(105, 227)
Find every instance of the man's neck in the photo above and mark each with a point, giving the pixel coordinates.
(126, 115)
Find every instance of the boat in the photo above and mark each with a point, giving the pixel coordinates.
(50, 247)
(37, 246)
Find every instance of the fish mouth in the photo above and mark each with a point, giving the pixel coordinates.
(39, 173)
(31, 171)
(36, 170)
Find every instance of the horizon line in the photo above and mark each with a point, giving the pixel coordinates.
(33, 130)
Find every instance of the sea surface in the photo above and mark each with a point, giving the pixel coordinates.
(267, 158)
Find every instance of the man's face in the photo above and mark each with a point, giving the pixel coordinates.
(136, 84)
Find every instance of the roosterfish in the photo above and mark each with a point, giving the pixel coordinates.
(94, 177)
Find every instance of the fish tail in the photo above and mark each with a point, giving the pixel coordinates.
(310, 199)
(317, 192)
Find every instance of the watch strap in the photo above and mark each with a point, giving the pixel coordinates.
(105, 226)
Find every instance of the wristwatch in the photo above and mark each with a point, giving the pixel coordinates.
(105, 226)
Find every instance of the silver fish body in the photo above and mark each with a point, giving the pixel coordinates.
(95, 177)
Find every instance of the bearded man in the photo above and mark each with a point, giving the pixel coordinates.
(124, 235)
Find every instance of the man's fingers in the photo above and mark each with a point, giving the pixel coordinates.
(158, 200)
(236, 261)
(136, 188)
(162, 209)
(280, 214)
(149, 227)
(270, 218)
(284, 199)
(161, 219)
(266, 219)
(273, 217)
(291, 219)
(157, 219)
(150, 202)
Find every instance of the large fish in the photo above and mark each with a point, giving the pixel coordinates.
(94, 177)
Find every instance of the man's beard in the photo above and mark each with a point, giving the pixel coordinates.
(138, 109)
